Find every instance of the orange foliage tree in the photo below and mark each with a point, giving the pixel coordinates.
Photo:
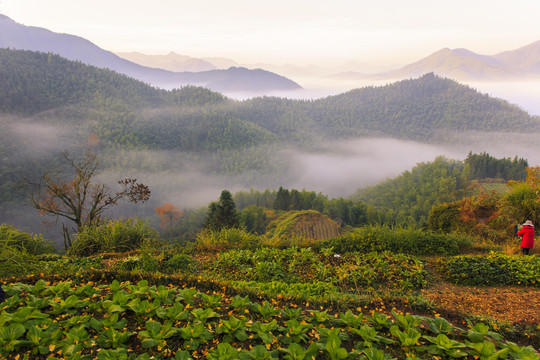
(168, 214)
(523, 200)
(79, 198)
(533, 177)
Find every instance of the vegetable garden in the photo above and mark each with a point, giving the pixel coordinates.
(212, 300)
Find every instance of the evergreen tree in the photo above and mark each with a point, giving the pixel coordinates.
(222, 214)
(283, 199)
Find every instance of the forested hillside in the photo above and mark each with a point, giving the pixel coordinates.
(429, 108)
(418, 109)
(182, 139)
(33, 82)
(408, 198)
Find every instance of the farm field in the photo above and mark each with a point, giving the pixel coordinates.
(290, 303)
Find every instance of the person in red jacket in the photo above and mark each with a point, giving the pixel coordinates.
(527, 233)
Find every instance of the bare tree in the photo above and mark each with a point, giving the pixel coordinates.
(79, 199)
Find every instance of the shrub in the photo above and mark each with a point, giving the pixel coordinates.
(266, 271)
(382, 238)
(15, 262)
(376, 270)
(149, 263)
(32, 244)
(113, 236)
(312, 290)
(225, 239)
(493, 269)
(146, 261)
(444, 217)
(18, 251)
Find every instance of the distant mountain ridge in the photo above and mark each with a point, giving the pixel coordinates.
(171, 61)
(463, 64)
(71, 47)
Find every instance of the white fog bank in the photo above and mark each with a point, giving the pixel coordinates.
(346, 166)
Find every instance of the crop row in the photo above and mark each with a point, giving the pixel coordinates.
(493, 269)
(409, 241)
(347, 272)
(126, 320)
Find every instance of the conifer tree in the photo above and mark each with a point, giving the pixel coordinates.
(283, 199)
(222, 214)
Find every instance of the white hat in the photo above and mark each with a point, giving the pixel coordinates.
(528, 223)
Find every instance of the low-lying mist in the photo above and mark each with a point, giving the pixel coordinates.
(341, 168)
(336, 168)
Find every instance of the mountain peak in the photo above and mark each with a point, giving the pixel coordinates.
(71, 47)
(526, 57)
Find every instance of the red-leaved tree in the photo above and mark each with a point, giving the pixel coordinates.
(168, 214)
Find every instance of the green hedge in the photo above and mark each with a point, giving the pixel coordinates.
(409, 241)
(493, 269)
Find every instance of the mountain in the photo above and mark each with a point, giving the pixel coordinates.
(463, 64)
(421, 109)
(526, 57)
(172, 62)
(17, 36)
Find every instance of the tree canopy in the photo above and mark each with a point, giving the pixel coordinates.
(222, 214)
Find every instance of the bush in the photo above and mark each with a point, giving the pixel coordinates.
(32, 244)
(266, 271)
(444, 217)
(382, 238)
(114, 236)
(18, 251)
(225, 239)
(14, 262)
(149, 263)
(493, 269)
(145, 262)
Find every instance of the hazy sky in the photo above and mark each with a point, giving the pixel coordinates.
(394, 32)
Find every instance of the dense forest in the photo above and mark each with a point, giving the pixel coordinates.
(192, 135)
(482, 166)
(416, 109)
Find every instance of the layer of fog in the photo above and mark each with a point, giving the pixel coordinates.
(39, 140)
(336, 169)
(343, 167)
